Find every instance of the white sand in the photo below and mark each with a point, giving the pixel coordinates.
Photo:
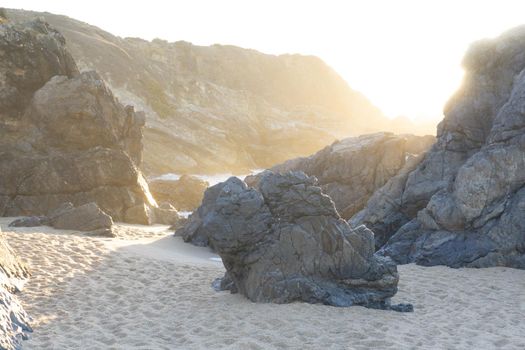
(154, 293)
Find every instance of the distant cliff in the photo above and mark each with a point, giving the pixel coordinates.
(220, 108)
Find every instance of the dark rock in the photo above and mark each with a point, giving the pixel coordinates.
(286, 242)
(63, 135)
(184, 194)
(464, 203)
(30, 221)
(351, 170)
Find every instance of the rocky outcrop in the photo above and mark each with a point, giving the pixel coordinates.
(14, 321)
(250, 109)
(464, 203)
(88, 217)
(184, 194)
(63, 135)
(351, 170)
(285, 242)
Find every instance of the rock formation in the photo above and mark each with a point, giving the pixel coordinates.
(464, 203)
(14, 321)
(63, 135)
(88, 217)
(286, 242)
(351, 170)
(184, 194)
(251, 110)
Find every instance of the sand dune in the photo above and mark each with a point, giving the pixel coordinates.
(144, 290)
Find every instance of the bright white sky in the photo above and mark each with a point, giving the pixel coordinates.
(403, 55)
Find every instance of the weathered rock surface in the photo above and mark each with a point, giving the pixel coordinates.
(184, 194)
(464, 203)
(351, 170)
(88, 217)
(286, 242)
(14, 321)
(63, 135)
(250, 109)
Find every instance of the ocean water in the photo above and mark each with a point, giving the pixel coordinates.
(211, 179)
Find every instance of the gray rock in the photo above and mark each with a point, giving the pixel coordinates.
(286, 242)
(87, 217)
(463, 204)
(351, 170)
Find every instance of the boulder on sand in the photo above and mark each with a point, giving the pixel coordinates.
(184, 194)
(286, 242)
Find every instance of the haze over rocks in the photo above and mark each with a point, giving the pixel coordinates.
(220, 108)
(464, 203)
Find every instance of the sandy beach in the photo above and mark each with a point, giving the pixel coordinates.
(149, 290)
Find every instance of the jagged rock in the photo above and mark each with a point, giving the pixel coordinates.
(195, 231)
(464, 203)
(14, 321)
(286, 242)
(184, 194)
(63, 135)
(351, 170)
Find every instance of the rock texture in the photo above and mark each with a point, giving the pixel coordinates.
(286, 242)
(88, 217)
(351, 170)
(63, 135)
(464, 203)
(184, 194)
(14, 321)
(251, 110)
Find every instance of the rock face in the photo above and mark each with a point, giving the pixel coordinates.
(351, 170)
(63, 135)
(251, 110)
(464, 203)
(88, 217)
(14, 321)
(286, 242)
(184, 194)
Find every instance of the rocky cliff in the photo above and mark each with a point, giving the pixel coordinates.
(63, 135)
(464, 203)
(220, 108)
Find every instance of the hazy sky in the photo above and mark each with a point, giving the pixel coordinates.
(403, 55)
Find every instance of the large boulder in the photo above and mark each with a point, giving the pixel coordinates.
(14, 321)
(351, 170)
(184, 194)
(285, 242)
(464, 203)
(63, 135)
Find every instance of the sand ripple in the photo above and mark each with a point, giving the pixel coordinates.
(154, 293)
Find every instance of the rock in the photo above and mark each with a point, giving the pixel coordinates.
(184, 194)
(63, 135)
(285, 242)
(464, 203)
(87, 217)
(139, 214)
(251, 110)
(166, 214)
(351, 170)
(14, 321)
(194, 231)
